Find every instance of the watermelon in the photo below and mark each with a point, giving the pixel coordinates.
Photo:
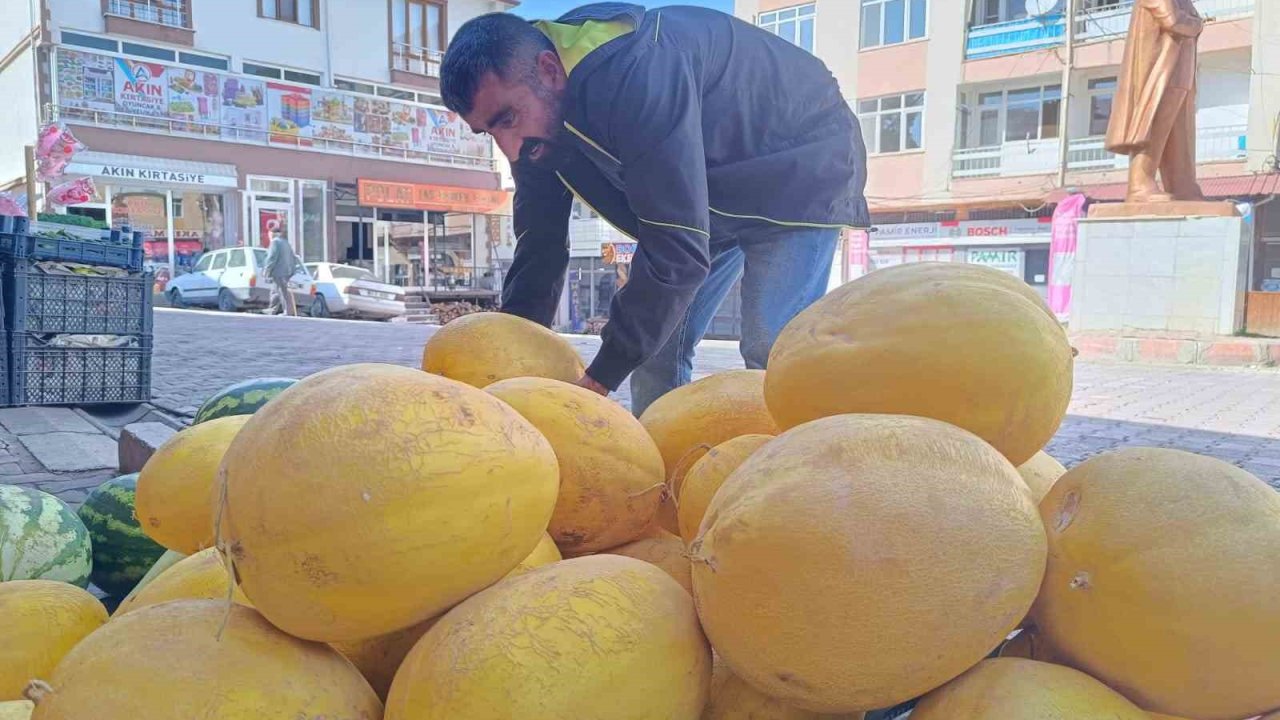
(122, 553)
(41, 538)
(242, 398)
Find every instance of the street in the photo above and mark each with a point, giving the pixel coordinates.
(1232, 414)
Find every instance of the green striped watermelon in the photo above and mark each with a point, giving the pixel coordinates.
(41, 538)
(122, 553)
(243, 398)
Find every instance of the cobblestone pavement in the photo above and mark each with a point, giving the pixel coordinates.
(1228, 413)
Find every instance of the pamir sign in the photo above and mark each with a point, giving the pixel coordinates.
(154, 175)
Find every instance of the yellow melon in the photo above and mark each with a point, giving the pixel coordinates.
(961, 343)
(544, 553)
(690, 420)
(1020, 689)
(1158, 716)
(663, 550)
(202, 576)
(40, 621)
(1040, 473)
(707, 475)
(733, 699)
(16, 710)
(176, 486)
(483, 348)
(167, 661)
(614, 639)
(611, 474)
(1163, 567)
(379, 658)
(864, 534)
(369, 498)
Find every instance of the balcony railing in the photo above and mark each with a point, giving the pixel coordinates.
(417, 60)
(1213, 144)
(1015, 36)
(1099, 20)
(237, 134)
(1107, 21)
(171, 13)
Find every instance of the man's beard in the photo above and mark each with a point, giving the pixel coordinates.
(552, 152)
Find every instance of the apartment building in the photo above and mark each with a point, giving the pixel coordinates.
(210, 122)
(981, 115)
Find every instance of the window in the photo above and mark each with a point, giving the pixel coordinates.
(990, 12)
(301, 12)
(237, 258)
(177, 208)
(396, 93)
(260, 257)
(354, 86)
(89, 41)
(219, 262)
(148, 51)
(262, 71)
(793, 24)
(275, 73)
(1012, 116)
(204, 264)
(418, 24)
(204, 61)
(894, 123)
(1101, 92)
(889, 22)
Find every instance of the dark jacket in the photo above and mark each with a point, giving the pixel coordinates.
(693, 128)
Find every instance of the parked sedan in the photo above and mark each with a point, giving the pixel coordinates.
(233, 279)
(351, 291)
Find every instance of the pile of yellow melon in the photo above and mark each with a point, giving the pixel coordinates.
(871, 522)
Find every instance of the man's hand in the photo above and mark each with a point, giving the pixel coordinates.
(593, 386)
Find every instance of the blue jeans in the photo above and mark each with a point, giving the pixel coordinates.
(780, 277)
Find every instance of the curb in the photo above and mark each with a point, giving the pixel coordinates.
(1220, 351)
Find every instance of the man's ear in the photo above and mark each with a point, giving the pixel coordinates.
(551, 71)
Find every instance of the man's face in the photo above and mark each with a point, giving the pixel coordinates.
(524, 114)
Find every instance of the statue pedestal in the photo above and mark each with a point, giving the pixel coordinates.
(1173, 209)
(1184, 275)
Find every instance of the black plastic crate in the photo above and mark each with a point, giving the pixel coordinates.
(36, 301)
(44, 374)
(115, 248)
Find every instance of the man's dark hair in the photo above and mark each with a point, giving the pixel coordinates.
(499, 43)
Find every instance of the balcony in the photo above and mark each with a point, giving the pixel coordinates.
(170, 13)
(1213, 144)
(416, 60)
(1109, 20)
(1100, 20)
(1015, 36)
(1040, 157)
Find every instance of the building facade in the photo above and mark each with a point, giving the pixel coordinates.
(981, 115)
(209, 123)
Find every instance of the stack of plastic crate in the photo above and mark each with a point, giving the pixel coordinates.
(75, 335)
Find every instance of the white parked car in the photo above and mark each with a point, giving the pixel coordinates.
(351, 291)
(233, 279)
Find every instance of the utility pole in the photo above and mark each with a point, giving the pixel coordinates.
(1064, 118)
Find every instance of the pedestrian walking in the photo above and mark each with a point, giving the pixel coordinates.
(281, 265)
(722, 150)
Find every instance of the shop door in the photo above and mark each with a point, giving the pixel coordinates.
(268, 216)
(382, 250)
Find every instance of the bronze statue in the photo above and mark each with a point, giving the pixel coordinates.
(1154, 113)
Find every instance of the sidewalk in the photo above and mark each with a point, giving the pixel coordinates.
(1221, 351)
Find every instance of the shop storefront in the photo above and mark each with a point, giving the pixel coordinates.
(183, 208)
(450, 241)
(1019, 247)
(298, 208)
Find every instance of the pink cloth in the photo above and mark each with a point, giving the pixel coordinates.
(1062, 253)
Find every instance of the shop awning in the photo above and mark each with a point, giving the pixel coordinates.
(147, 170)
(1234, 186)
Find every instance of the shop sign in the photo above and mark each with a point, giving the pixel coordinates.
(125, 172)
(438, 198)
(905, 234)
(1009, 261)
(618, 253)
(994, 231)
